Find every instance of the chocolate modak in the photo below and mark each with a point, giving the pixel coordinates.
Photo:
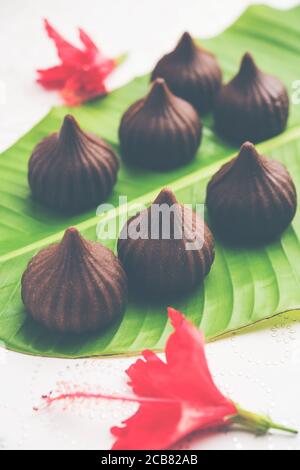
(192, 73)
(72, 171)
(75, 286)
(251, 199)
(254, 106)
(167, 249)
(160, 131)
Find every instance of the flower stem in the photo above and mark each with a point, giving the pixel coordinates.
(121, 58)
(257, 423)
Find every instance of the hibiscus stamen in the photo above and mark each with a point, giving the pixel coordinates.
(50, 400)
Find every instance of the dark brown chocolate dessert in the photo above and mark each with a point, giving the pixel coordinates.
(253, 106)
(252, 199)
(72, 171)
(192, 73)
(173, 252)
(76, 286)
(160, 131)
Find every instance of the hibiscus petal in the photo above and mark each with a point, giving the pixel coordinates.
(143, 378)
(159, 426)
(68, 53)
(88, 42)
(82, 86)
(186, 359)
(54, 78)
(153, 427)
(185, 375)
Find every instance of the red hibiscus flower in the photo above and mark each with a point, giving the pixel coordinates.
(185, 380)
(176, 397)
(81, 75)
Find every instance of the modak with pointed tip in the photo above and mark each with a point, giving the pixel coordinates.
(192, 73)
(160, 131)
(72, 171)
(76, 286)
(166, 249)
(251, 199)
(254, 106)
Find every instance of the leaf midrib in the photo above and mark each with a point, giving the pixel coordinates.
(290, 135)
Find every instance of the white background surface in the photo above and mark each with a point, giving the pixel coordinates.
(260, 369)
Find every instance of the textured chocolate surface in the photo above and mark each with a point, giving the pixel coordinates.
(252, 199)
(76, 286)
(162, 266)
(160, 131)
(192, 73)
(253, 106)
(72, 171)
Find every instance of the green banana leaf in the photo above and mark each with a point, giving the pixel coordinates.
(244, 286)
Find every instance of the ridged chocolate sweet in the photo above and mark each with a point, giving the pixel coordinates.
(76, 286)
(192, 73)
(173, 252)
(253, 106)
(72, 171)
(160, 131)
(252, 199)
